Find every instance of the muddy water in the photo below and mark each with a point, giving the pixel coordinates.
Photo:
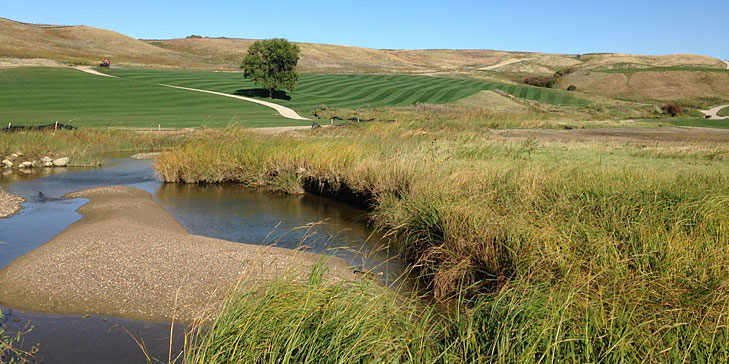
(227, 212)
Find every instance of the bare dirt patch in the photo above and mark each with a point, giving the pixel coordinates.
(678, 134)
(28, 62)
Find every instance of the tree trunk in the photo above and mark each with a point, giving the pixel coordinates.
(270, 93)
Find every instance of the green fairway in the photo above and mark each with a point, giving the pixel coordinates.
(690, 121)
(45, 95)
(353, 91)
(724, 111)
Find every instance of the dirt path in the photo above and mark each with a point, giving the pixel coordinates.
(282, 110)
(713, 112)
(628, 135)
(503, 63)
(92, 71)
(127, 257)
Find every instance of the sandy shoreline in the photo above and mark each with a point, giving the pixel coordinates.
(9, 204)
(127, 257)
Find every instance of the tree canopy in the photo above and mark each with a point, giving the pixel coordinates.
(271, 63)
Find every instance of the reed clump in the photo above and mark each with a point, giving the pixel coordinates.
(569, 251)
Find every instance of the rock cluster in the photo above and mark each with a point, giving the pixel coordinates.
(20, 161)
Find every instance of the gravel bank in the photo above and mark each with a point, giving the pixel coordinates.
(9, 204)
(128, 257)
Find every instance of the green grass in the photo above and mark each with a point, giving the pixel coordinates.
(45, 95)
(724, 111)
(663, 69)
(689, 121)
(355, 91)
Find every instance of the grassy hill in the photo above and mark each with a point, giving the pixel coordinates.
(325, 58)
(86, 45)
(696, 87)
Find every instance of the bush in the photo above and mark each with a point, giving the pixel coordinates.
(571, 88)
(671, 109)
(541, 81)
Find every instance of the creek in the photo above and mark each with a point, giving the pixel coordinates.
(229, 212)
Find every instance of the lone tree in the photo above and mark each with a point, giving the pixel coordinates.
(271, 63)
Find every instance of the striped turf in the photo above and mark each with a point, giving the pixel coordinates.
(45, 95)
(354, 91)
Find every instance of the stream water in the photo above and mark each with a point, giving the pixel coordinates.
(227, 212)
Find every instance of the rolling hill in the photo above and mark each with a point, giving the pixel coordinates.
(676, 77)
(88, 45)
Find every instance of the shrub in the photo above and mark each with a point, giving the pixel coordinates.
(541, 81)
(571, 88)
(671, 109)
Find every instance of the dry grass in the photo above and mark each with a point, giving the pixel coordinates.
(653, 86)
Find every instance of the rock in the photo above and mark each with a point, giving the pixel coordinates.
(46, 159)
(60, 162)
(25, 165)
(34, 164)
(7, 163)
(48, 164)
(14, 155)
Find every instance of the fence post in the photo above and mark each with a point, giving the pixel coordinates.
(55, 127)
(331, 121)
(358, 120)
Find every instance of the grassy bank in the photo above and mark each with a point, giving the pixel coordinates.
(573, 251)
(84, 147)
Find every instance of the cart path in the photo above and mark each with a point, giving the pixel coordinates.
(712, 113)
(92, 71)
(282, 110)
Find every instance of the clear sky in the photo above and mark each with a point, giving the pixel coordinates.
(568, 26)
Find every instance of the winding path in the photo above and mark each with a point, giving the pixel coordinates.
(504, 63)
(282, 110)
(712, 113)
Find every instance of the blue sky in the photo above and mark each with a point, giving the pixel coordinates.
(569, 26)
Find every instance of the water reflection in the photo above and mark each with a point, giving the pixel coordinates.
(227, 212)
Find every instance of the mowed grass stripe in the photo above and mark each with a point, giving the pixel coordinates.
(355, 90)
(44, 95)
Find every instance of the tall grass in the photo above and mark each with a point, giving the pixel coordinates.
(349, 322)
(576, 251)
(84, 147)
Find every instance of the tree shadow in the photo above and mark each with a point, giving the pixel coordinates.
(262, 93)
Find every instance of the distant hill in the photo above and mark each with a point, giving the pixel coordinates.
(345, 59)
(88, 45)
